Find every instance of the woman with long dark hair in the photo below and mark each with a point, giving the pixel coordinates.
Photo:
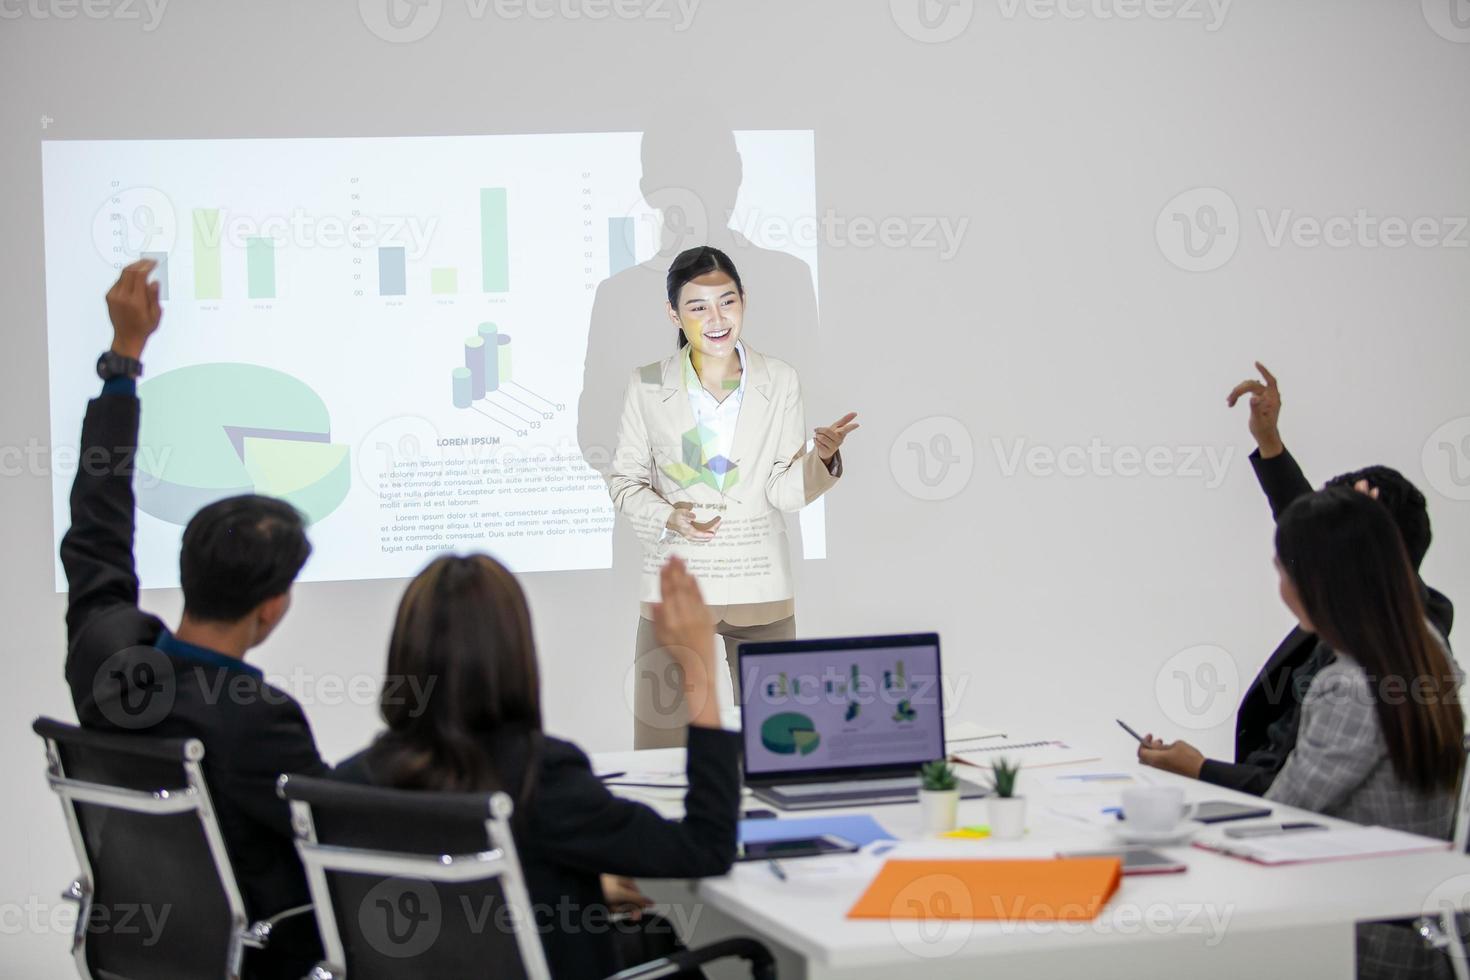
(711, 455)
(463, 712)
(1382, 731)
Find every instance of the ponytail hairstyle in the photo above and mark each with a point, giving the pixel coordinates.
(692, 263)
(1343, 552)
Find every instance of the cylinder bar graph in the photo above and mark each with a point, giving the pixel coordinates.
(462, 390)
(487, 365)
(503, 360)
(490, 334)
(474, 359)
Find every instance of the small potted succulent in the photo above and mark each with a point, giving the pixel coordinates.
(939, 796)
(1007, 811)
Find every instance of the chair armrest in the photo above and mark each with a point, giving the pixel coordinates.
(259, 933)
(762, 963)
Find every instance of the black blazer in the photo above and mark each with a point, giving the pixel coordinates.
(572, 829)
(1266, 723)
(252, 732)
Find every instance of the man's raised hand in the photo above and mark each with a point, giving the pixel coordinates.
(1265, 410)
(132, 304)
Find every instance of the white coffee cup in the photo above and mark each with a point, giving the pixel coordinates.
(1154, 809)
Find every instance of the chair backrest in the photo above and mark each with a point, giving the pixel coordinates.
(157, 894)
(409, 881)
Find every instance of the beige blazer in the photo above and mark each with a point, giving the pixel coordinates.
(660, 461)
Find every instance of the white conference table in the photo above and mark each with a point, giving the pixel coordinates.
(1223, 917)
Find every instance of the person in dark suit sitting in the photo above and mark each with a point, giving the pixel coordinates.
(128, 672)
(1270, 712)
(463, 634)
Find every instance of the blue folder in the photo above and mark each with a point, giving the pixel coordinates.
(859, 828)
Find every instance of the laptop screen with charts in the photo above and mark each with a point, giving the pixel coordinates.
(852, 708)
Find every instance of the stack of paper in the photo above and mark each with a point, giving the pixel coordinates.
(1292, 847)
(1030, 754)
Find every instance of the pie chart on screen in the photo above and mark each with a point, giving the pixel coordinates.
(211, 431)
(790, 732)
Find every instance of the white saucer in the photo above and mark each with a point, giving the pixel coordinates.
(1133, 835)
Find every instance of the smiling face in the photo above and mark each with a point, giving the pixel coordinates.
(710, 312)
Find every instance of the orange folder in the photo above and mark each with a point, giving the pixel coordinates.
(1042, 890)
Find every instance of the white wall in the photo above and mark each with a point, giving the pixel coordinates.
(1060, 320)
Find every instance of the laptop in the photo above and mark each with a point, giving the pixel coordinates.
(844, 722)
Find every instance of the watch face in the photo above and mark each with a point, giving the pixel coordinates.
(113, 365)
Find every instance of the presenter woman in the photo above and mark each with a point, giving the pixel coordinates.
(712, 452)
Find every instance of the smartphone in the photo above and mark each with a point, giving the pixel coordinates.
(1129, 730)
(1136, 860)
(772, 850)
(1219, 811)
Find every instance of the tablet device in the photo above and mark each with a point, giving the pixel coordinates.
(1136, 860)
(1219, 811)
(771, 850)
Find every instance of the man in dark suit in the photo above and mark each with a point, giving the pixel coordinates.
(1267, 720)
(128, 672)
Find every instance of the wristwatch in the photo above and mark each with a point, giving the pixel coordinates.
(114, 365)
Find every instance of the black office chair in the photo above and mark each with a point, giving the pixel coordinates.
(156, 893)
(1447, 931)
(430, 884)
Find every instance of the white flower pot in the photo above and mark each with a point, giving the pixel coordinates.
(939, 809)
(1007, 816)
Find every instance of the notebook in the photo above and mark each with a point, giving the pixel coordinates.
(1028, 890)
(1321, 845)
